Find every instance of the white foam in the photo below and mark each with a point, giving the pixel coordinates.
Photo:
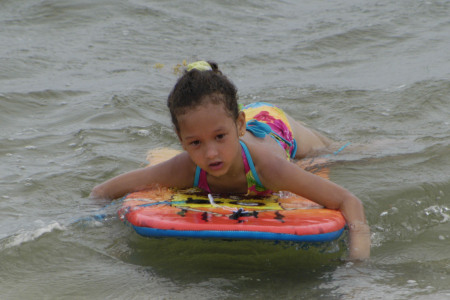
(438, 211)
(27, 236)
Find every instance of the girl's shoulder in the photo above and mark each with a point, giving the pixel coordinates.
(266, 154)
(270, 162)
(263, 149)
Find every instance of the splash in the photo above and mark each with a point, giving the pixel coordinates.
(440, 213)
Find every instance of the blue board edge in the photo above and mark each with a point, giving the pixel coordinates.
(251, 235)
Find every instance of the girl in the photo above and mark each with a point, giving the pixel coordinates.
(228, 150)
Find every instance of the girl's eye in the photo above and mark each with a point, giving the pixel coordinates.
(195, 143)
(220, 136)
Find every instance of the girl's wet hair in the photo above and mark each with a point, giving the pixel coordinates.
(191, 89)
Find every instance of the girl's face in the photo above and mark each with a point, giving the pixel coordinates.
(211, 137)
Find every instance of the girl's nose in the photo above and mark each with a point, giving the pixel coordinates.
(211, 151)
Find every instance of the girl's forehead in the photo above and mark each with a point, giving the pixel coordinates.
(204, 117)
(205, 107)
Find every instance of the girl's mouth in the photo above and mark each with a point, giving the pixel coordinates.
(216, 165)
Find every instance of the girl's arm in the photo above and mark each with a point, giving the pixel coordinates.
(279, 174)
(175, 172)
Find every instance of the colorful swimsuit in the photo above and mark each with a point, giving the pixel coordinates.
(267, 119)
(264, 119)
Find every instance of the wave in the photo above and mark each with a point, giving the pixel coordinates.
(30, 235)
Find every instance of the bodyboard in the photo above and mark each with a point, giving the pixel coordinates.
(163, 212)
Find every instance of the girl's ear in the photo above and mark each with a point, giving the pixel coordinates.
(240, 123)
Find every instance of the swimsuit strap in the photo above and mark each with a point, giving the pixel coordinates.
(251, 165)
(197, 176)
(200, 179)
(342, 148)
(260, 130)
(338, 151)
(294, 151)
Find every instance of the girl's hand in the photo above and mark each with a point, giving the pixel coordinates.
(359, 232)
(359, 246)
(281, 175)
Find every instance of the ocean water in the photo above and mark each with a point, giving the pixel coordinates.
(83, 86)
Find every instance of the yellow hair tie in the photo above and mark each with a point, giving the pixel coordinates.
(199, 65)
